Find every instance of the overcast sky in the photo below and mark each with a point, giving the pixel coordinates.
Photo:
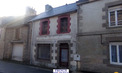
(17, 7)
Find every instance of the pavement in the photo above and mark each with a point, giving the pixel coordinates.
(6, 67)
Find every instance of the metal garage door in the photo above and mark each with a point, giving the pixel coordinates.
(17, 53)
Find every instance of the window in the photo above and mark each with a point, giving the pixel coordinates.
(63, 24)
(115, 53)
(115, 18)
(17, 33)
(43, 51)
(44, 27)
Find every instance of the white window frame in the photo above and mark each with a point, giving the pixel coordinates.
(116, 17)
(117, 44)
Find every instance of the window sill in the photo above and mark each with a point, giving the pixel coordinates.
(63, 32)
(119, 64)
(112, 27)
(114, 65)
(44, 34)
(116, 26)
(44, 60)
(40, 34)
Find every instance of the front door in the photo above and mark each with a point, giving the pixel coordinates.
(64, 55)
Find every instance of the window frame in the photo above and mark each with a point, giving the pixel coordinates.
(59, 23)
(118, 58)
(41, 24)
(116, 17)
(38, 52)
(17, 33)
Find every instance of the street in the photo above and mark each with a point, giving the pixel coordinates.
(6, 67)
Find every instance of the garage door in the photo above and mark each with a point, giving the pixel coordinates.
(17, 53)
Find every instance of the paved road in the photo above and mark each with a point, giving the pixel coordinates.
(6, 67)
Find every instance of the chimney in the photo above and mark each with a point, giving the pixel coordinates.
(48, 7)
(30, 11)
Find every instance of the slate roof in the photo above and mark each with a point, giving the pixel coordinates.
(22, 20)
(6, 20)
(15, 21)
(56, 11)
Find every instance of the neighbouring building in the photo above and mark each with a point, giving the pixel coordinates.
(16, 46)
(54, 37)
(100, 35)
(2, 34)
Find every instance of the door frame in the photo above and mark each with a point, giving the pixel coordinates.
(58, 50)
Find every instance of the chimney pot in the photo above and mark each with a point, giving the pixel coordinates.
(48, 7)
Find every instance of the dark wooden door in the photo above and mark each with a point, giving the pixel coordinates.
(64, 55)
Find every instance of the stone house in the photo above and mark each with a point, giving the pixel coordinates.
(99, 39)
(54, 37)
(16, 46)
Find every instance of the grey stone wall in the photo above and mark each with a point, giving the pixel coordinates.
(9, 36)
(94, 51)
(10, 40)
(24, 37)
(2, 33)
(94, 36)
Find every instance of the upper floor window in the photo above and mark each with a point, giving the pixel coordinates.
(115, 53)
(63, 24)
(44, 27)
(17, 33)
(115, 18)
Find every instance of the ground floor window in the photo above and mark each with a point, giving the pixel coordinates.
(43, 51)
(116, 53)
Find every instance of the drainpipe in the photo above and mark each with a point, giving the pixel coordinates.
(31, 40)
(28, 39)
(77, 35)
(4, 42)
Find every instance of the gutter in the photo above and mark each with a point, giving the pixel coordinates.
(28, 39)
(86, 2)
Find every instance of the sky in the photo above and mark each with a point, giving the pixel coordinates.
(17, 7)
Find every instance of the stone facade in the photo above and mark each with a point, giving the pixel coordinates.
(11, 40)
(94, 36)
(17, 36)
(55, 39)
(2, 34)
